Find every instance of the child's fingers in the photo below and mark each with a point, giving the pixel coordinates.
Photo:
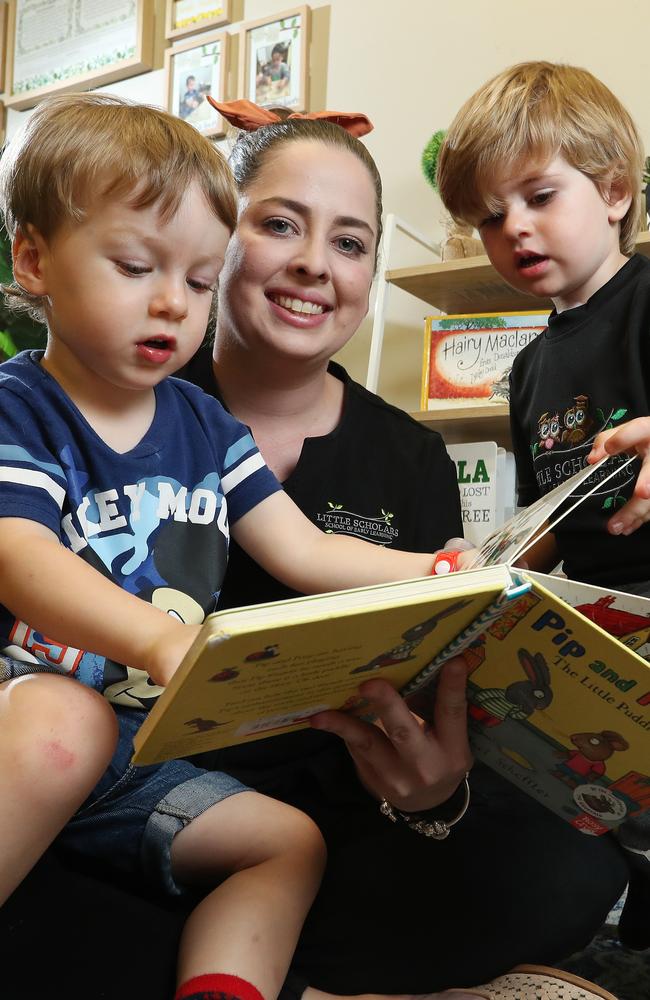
(598, 450)
(633, 436)
(630, 517)
(462, 544)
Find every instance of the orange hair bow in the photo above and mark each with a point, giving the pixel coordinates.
(249, 117)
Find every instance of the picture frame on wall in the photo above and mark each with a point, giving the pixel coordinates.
(195, 69)
(186, 17)
(78, 45)
(273, 60)
(4, 18)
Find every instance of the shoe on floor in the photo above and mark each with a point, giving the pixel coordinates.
(535, 982)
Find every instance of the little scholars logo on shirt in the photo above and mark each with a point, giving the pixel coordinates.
(338, 521)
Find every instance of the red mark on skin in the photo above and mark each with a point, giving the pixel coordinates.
(57, 755)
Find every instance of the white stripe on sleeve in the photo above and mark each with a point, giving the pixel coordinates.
(31, 477)
(247, 468)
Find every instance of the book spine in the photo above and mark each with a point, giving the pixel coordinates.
(467, 636)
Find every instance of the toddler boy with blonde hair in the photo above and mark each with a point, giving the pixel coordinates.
(547, 163)
(119, 487)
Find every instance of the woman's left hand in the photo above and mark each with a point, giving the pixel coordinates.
(400, 758)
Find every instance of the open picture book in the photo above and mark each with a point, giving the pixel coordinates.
(558, 682)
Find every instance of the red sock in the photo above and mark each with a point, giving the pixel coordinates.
(217, 986)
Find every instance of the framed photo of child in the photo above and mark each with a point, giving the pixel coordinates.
(193, 70)
(4, 13)
(273, 57)
(186, 17)
(74, 46)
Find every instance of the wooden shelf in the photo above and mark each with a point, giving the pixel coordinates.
(459, 424)
(472, 285)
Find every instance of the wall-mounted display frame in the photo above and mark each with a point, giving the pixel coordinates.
(273, 60)
(54, 47)
(195, 69)
(4, 18)
(186, 17)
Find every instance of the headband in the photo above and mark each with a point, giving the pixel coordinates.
(249, 117)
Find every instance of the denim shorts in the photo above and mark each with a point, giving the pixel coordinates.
(133, 814)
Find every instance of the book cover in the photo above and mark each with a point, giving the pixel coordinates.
(561, 707)
(506, 486)
(266, 669)
(468, 357)
(476, 472)
(558, 686)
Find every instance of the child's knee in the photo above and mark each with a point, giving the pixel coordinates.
(298, 836)
(57, 731)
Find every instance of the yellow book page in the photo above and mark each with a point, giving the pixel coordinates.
(562, 709)
(242, 682)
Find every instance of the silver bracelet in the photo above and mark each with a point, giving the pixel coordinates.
(436, 828)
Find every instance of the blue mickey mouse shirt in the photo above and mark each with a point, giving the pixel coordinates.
(153, 520)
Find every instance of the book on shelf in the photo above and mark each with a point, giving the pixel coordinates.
(468, 356)
(486, 484)
(558, 682)
(506, 485)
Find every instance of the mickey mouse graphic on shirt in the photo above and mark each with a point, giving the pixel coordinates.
(186, 562)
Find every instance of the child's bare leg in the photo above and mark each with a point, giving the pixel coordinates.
(56, 740)
(247, 927)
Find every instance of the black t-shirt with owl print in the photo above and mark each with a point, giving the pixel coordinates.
(588, 371)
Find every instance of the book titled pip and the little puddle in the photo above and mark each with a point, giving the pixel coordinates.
(558, 680)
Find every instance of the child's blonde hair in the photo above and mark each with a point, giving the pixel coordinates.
(80, 148)
(535, 111)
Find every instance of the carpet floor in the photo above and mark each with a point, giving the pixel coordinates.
(605, 961)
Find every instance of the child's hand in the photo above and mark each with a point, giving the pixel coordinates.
(166, 653)
(466, 559)
(633, 436)
(466, 550)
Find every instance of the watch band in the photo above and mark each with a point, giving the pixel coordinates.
(445, 561)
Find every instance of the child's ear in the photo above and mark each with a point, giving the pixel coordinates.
(619, 198)
(27, 250)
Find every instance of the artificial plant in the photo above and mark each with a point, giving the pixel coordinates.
(18, 331)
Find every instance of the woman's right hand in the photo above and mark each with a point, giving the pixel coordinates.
(400, 758)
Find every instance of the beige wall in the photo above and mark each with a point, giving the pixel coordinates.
(409, 65)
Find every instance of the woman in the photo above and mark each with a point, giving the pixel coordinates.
(397, 912)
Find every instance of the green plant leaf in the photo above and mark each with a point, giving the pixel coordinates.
(7, 345)
(430, 157)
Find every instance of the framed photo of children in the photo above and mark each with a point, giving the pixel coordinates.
(186, 17)
(193, 70)
(4, 13)
(75, 45)
(273, 57)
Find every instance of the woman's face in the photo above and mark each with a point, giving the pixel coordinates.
(299, 267)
